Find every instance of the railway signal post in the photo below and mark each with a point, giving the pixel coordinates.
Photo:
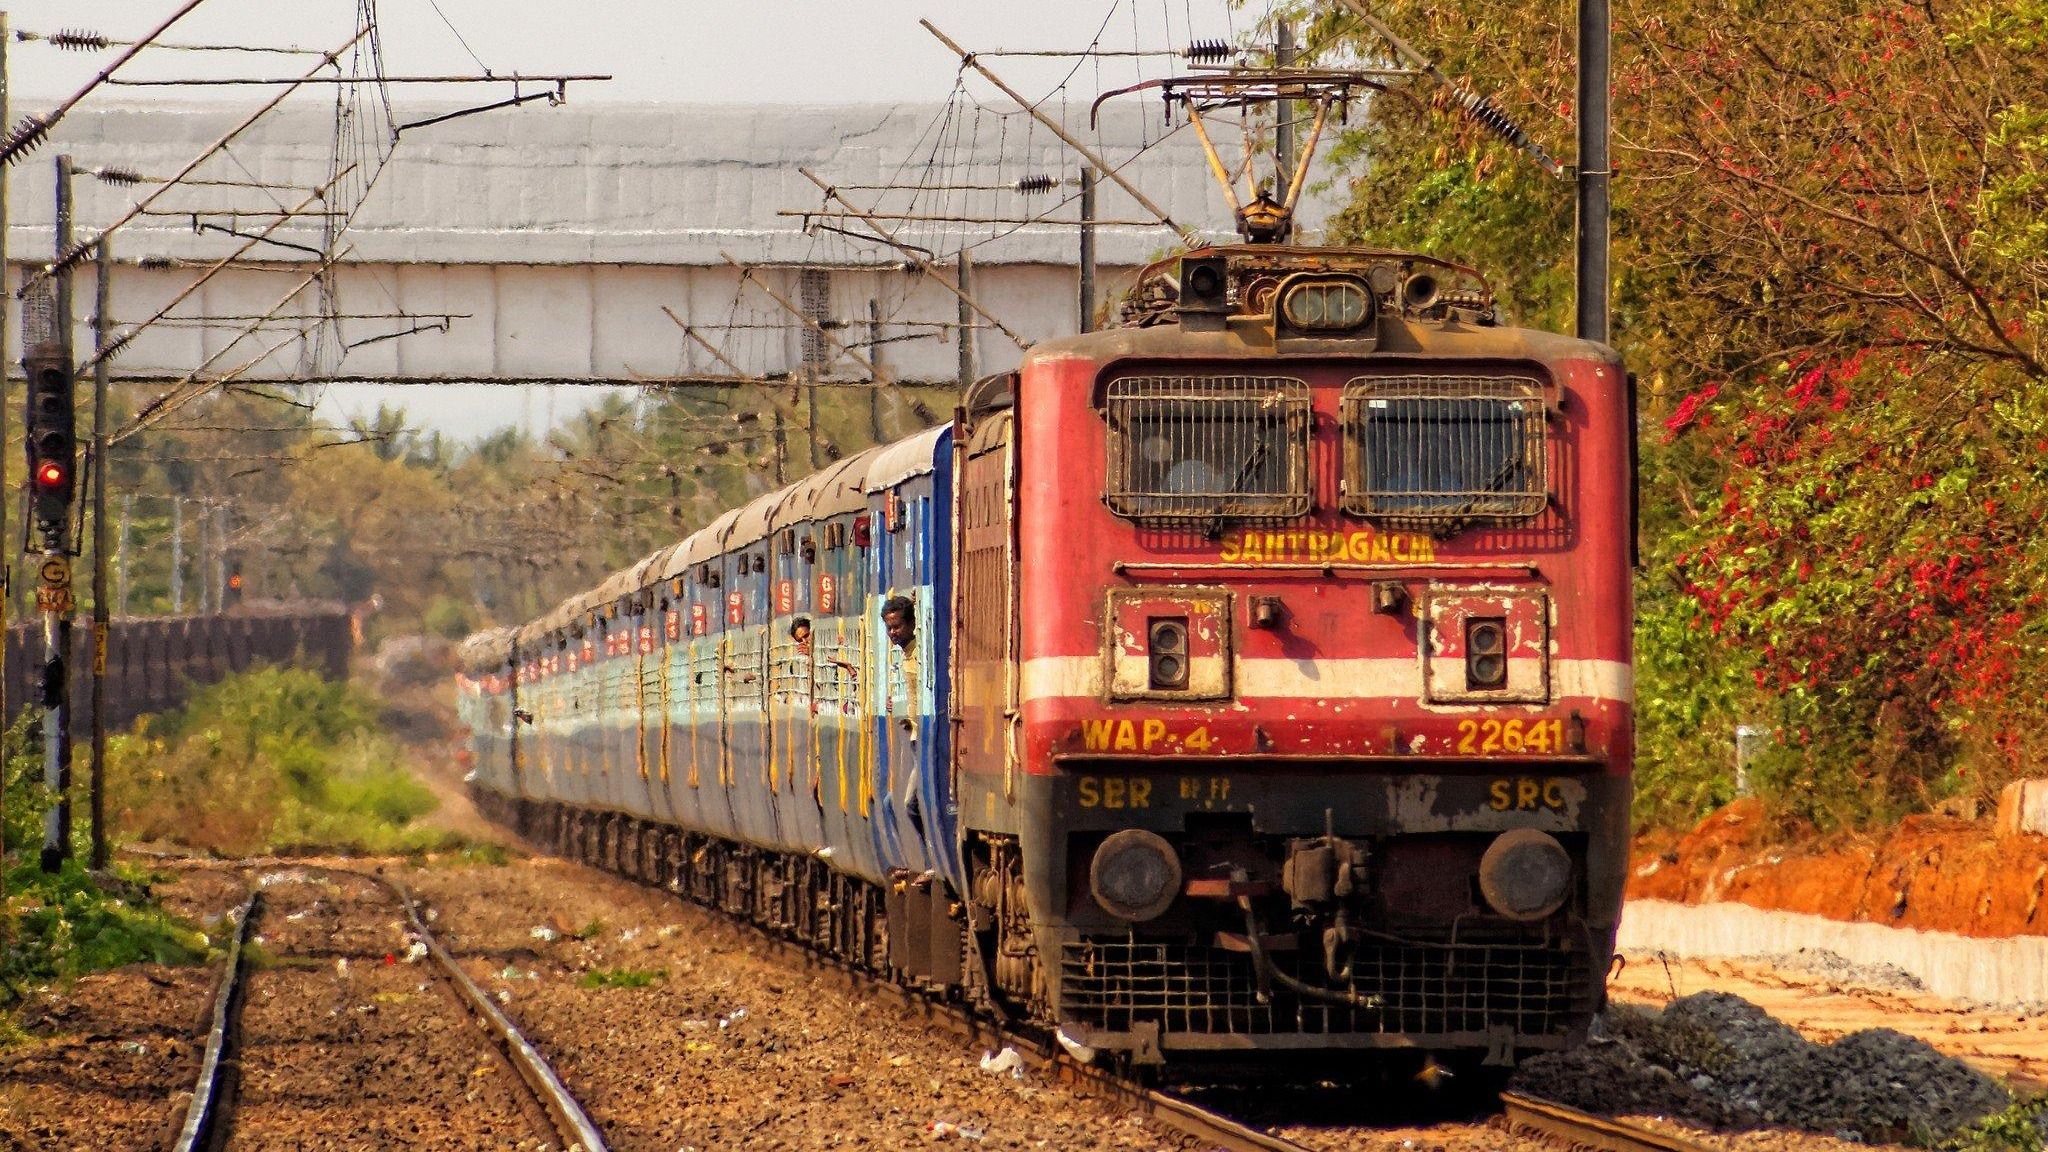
(50, 441)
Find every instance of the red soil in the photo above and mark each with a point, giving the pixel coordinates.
(1931, 872)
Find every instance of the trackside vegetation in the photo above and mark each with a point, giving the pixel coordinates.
(1831, 254)
(55, 927)
(272, 760)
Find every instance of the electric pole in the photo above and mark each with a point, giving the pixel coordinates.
(102, 338)
(1087, 248)
(1283, 114)
(965, 315)
(1595, 40)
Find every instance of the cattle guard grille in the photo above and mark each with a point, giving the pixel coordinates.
(1425, 990)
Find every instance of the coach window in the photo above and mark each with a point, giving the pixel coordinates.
(1207, 448)
(1441, 452)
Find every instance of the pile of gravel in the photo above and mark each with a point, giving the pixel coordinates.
(1838, 969)
(1719, 1060)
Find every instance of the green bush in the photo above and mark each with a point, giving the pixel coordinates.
(271, 759)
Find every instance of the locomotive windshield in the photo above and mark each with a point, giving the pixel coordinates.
(1207, 448)
(1444, 451)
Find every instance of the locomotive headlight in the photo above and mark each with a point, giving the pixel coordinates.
(1486, 652)
(1525, 874)
(1166, 642)
(1325, 304)
(1135, 875)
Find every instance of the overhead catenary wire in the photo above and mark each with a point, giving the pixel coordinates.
(78, 251)
(32, 129)
(967, 60)
(930, 269)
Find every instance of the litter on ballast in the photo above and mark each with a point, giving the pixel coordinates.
(997, 1063)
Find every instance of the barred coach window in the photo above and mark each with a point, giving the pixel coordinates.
(1207, 448)
(1441, 452)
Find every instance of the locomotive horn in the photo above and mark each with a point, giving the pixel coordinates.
(1419, 291)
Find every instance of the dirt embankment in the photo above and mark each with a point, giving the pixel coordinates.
(1931, 873)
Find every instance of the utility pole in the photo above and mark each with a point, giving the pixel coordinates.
(1283, 114)
(964, 276)
(6, 494)
(103, 334)
(52, 454)
(875, 351)
(1087, 248)
(121, 555)
(1595, 40)
(178, 555)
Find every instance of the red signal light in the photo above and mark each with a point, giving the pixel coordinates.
(50, 474)
(235, 582)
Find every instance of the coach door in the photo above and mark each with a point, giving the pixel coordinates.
(985, 627)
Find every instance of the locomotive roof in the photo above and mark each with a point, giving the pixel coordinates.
(1399, 337)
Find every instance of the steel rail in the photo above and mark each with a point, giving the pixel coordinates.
(198, 1130)
(1579, 1129)
(569, 1118)
(202, 1117)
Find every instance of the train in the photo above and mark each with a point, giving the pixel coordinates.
(1244, 685)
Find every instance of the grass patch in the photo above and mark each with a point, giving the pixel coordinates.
(622, 977)
(271, 760)
(58, 926)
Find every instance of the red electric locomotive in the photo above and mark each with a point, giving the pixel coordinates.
(1293, 669)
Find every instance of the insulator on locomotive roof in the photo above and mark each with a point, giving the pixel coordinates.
(1033, 185)
(79, 40)
(1209, 52)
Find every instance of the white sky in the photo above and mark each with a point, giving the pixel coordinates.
(740, 51)
(727, 51)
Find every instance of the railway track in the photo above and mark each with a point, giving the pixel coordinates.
(1577, 1129)
(1525, 1115)
(210, 1120)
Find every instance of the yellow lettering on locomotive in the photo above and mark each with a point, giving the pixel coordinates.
(1095, 734)
(1155, 731)
(1362, 547)
(1527, 794)
(1113, 792)
(1126, 736)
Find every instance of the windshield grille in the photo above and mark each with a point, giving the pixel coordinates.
(1199, 448)
(1440, 452)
